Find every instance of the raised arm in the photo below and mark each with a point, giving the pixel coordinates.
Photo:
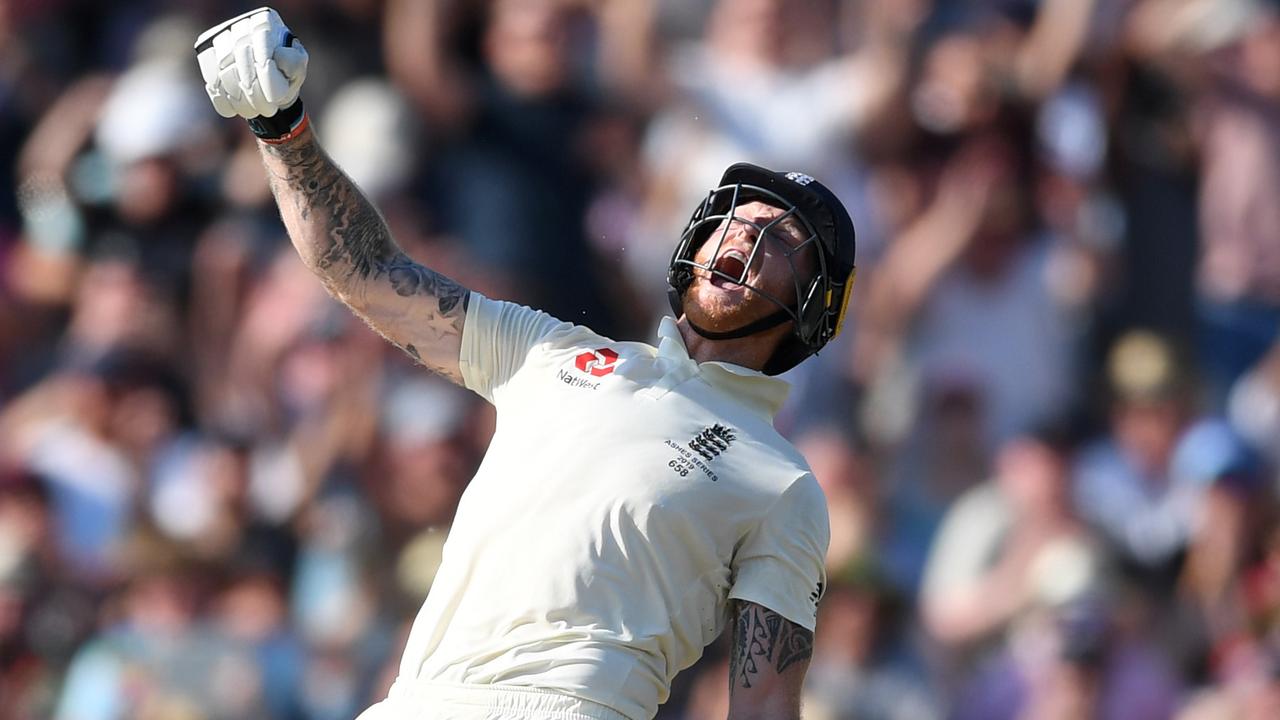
(342, 238)
(768, 658)
(253, 66)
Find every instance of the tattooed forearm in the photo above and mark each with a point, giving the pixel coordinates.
(763, 639)
(340, 235)
(341, 232)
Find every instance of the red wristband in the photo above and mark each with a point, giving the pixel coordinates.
(292, 133)
(287, 123)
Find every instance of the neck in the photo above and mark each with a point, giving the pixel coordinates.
(751, 352)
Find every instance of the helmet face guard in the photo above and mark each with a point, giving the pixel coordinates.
(816, 308)
(711, 223)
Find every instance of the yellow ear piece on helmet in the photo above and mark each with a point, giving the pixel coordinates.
(846, 293)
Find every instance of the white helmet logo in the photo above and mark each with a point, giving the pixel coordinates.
(799, 178)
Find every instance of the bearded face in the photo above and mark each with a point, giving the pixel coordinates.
(761, 246)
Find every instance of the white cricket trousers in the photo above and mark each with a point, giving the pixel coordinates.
(422, 700)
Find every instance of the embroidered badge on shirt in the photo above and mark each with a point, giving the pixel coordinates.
(706, 445)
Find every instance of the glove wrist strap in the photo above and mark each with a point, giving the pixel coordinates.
(285, 125)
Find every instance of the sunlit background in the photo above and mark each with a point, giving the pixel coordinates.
(1049, 435)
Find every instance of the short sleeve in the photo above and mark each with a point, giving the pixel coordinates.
(496, 340)
(780, 564)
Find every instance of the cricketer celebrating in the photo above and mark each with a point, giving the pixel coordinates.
(635, 500)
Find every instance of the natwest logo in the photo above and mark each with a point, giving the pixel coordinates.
(598, 363)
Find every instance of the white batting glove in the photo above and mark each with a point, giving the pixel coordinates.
(254, 67)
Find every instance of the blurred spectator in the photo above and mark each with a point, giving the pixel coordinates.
(512, 178)
(963, 339)
(964, 296)
(371, 135)
(335, 608)
(1239, 269)
(156, 660)
(1233, 510)
(1124, 482)
(856, 672)
(1223, 53)
(1072, 662)
(924, 478)
(427, 463)
(422, 467)
(1254, 407)
(847, 475)
(27, 570)
(252, 610)
(1261, 591)
(1008, 547)
(93, 434)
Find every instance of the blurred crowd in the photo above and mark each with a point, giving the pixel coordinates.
(1049, 435)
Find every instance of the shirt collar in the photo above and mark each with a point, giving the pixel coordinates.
(760, 392)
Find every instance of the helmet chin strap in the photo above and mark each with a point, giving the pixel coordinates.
(765, 323)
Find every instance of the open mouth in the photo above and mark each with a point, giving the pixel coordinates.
(729, 269)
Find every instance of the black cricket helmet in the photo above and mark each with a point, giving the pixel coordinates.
(817, 310)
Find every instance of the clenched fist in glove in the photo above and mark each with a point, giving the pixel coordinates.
(253, 67)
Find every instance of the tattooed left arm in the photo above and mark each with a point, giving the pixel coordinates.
(768, 658)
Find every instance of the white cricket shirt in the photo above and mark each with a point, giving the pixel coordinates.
(628, 494)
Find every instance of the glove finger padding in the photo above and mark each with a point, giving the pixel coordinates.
(208, 60)
(291, 60)
(250, 87)
(220, 101)
(229, 82)
(275, 86)
(267, 41)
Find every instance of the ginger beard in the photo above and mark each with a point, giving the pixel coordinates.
(721, 305)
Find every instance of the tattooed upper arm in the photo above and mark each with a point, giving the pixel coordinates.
(768, 658)
(341, 237)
